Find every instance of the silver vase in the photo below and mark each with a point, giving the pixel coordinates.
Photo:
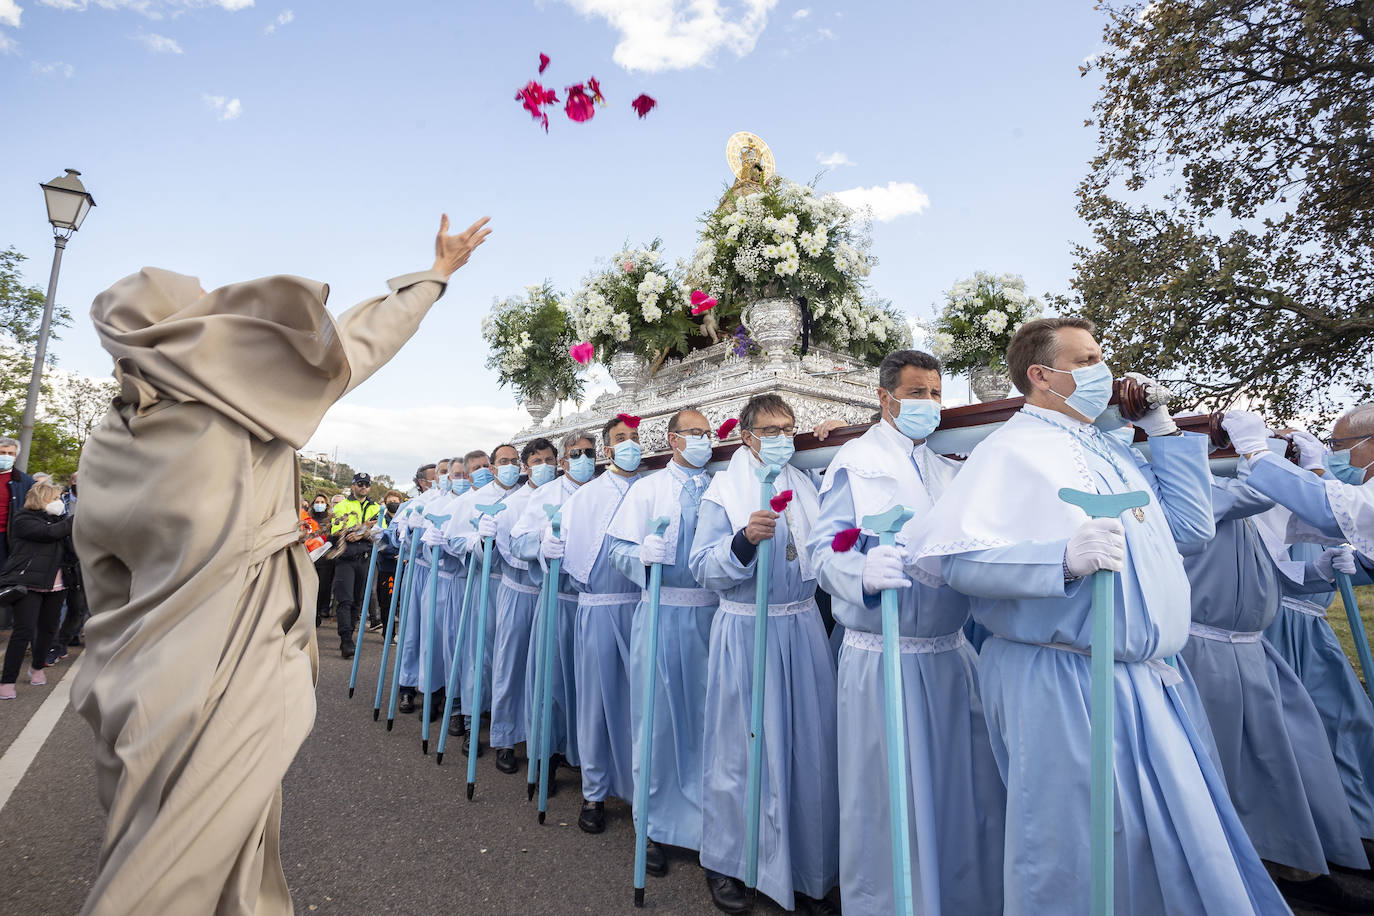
(775, 325)
(627, 370)
(538, 406)
(988, 384)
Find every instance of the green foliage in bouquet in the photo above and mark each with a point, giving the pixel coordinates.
(635, 303)
(529, 337)
(978, 320)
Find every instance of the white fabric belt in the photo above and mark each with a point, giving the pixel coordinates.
(1217, 634)
(590, 599)
(1305, 607)
(909, 645)
(683, 597)
(1167, 672)
(567, 596)
(519, 587)
(774, 610)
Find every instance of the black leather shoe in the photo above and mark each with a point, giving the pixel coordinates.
(456, 728)
(505, 760)
(436, 706)
(593, 817)
(727, 893)
(347, 651)
(655, 862)
(407, 704)
(1324, 893)
(467, 748)
(813, 907)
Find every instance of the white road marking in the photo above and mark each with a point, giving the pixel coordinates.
(20, 755)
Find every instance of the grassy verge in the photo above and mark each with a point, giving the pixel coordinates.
(1364, 596)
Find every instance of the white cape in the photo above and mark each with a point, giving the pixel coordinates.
(737, 490)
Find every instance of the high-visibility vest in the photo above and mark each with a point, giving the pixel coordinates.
(352, 512)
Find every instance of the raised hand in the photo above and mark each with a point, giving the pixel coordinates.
(452, 251)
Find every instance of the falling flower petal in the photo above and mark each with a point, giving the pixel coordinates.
(643, 105)
(582, 352)
(780, 501)
(628, 419)
(543, 62)
(580, 106)
(845, 540)
(533, 97)
(701, 302)
(596, 90)
(727, 428)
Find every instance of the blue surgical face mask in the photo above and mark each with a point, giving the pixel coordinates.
(697, 451)
(775, 450)
(1338, 466)
(461, 486)
(627, 455)
(481, 477)
(6, 462)
(918, 417)
(1092, 391)
(445, 485)
(508, 474)
(582, 468)
(541, 474)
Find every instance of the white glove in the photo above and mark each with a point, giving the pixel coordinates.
(550, 547)
(432, 537)
(1099, 543)
(1247, 431)
(1310, 450)
(1155, 421)
(883, 569)
(486, 527)
(1340, 559)
(653, 550)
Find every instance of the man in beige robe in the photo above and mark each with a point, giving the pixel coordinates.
(198, 675)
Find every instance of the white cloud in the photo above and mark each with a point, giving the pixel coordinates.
(286, 17)
(8, 45)
(153, 9)
(227, 109)
(9, 13)
(898, 198)
(678, 34)
(834, 160)
(55, 69)
(158, 44)
(368, 438)
(801, 13)
(825, 33)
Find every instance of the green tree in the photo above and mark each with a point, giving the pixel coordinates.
(53, 448)
(1231, 202)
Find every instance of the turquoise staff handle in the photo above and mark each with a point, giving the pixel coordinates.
(427, 637)
(763, 569)
(455, 666)
(1352, 614)
(367, 598)
(478, 663)
(646, 724)
(1102, 784)
(402, 628)
(555, 514)
(397, 585)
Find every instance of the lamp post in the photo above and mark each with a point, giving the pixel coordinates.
(68, 203)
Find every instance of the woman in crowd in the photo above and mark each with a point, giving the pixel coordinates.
(40, 547)
(320, 510)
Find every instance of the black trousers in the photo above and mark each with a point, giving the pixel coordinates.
(75, 619)
(350, 582)
(35, 621)
(324, 569)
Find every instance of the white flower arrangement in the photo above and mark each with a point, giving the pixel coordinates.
(633, 303)
(979, 318)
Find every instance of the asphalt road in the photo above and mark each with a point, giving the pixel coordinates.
(370, 826)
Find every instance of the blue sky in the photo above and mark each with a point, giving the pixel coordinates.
(231, 139)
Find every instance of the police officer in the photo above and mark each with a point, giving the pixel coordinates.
(351, 518)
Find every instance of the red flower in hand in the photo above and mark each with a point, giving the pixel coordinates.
(582, 352)
(779, 502)
(701, 302)
(580, 106)
(845, 540)
(643, 105)
(727, 428)
(543, 62)
(628, 419)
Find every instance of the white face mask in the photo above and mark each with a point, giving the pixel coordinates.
(55, 507)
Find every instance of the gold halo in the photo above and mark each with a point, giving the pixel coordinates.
(734, 153)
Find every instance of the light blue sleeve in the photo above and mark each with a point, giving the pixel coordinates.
(712, 563)
(625, 558)
(1301, 492)
(1181, 478)
(1034, 569)
(526, 546)
(1232, 499)
(840, 574)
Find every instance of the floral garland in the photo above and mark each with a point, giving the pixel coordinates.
(635, 304)
(978, 320)
(529, 337)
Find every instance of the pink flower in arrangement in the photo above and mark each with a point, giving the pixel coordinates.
(629, 267)
(543, 62)
(727, 428)
(581, 352)
(701, 302)
(844, 540)
(628, 419)
(643, 105)
(580, 106)
(779, 502)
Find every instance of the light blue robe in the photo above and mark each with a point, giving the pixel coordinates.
(1180, 847)
(516, 602)
(799, 818)
(415, 612)
(563, 721)
(601, 666)
(684, 642)
(1279, 769)
(957, 812)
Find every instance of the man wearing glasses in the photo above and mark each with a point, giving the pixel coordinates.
(685, 613)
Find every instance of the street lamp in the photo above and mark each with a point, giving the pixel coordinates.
(68, 203)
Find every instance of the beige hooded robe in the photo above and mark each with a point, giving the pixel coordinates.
(198, 674)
